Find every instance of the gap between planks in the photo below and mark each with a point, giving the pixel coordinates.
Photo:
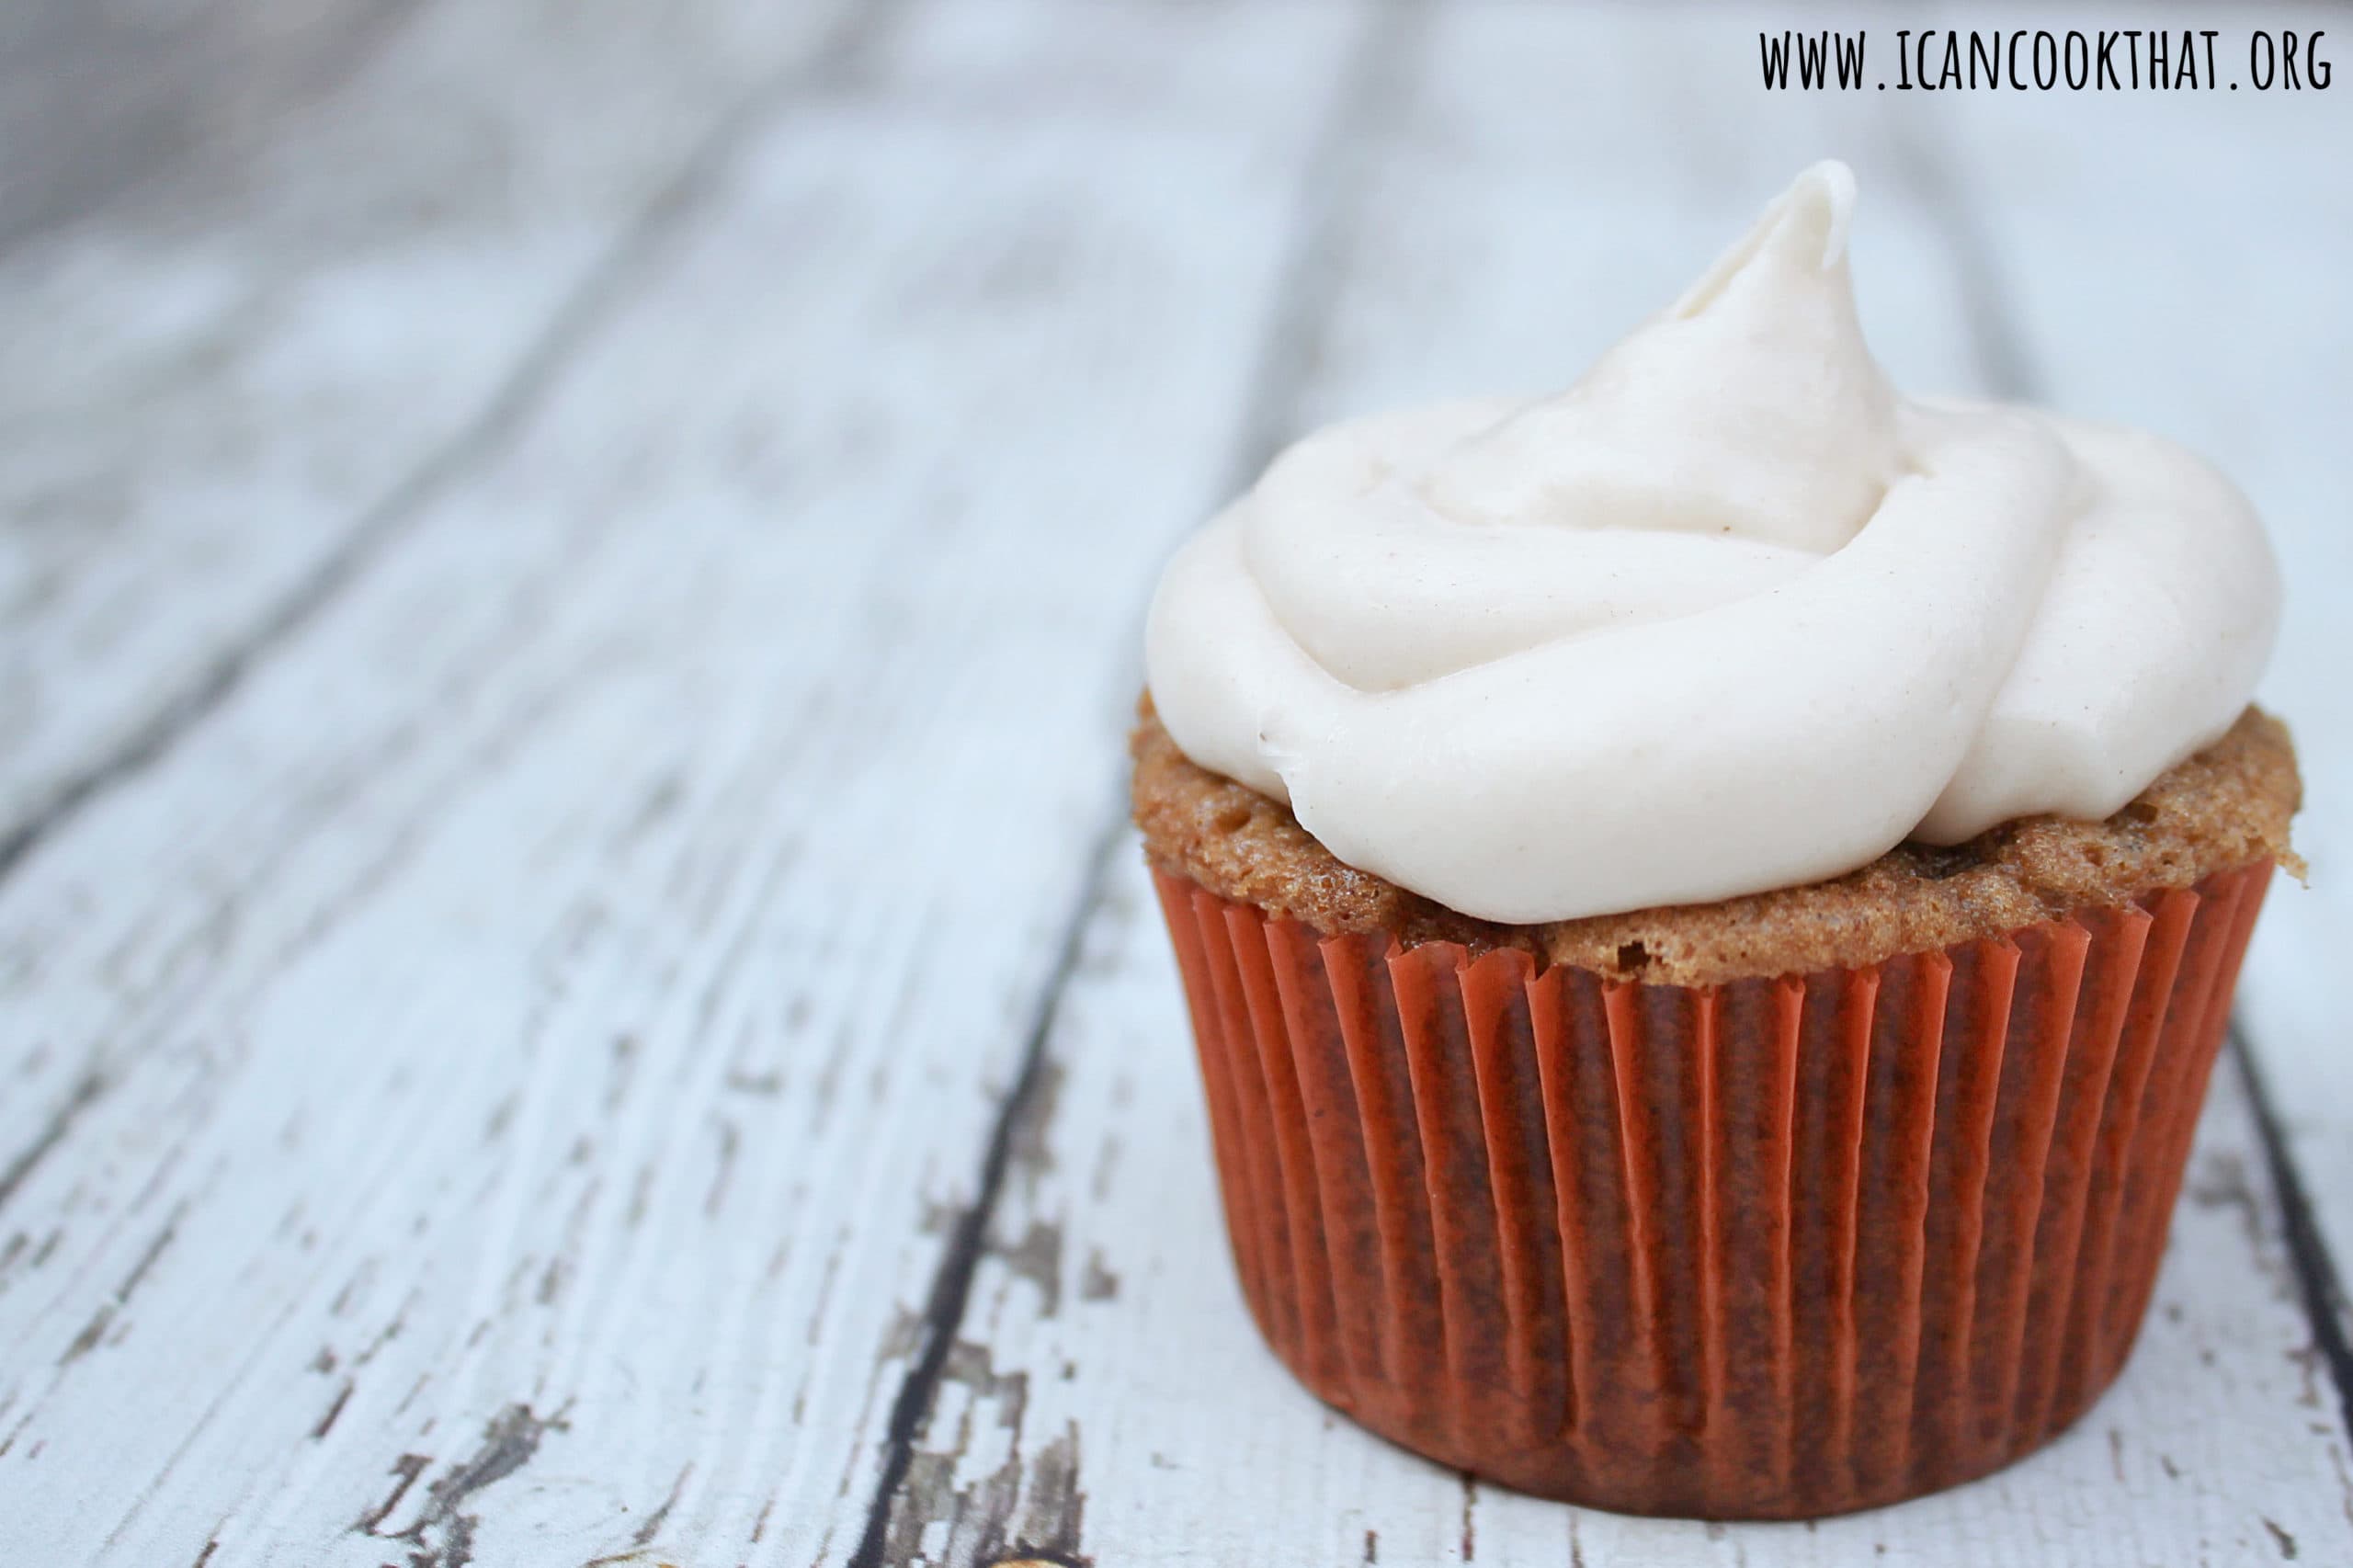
(1333, 173)
(634, 255)
(951, 1285)
(2319, 1286)
(838, 54)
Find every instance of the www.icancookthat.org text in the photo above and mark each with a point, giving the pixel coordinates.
(2108, 60)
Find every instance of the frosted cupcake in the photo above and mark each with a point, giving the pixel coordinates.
(1708, 900)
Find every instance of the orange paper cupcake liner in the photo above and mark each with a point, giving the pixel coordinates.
(1774, 1248)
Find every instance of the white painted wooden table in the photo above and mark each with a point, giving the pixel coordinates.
(572, 987)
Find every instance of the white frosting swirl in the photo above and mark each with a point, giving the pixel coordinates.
(1728, 615)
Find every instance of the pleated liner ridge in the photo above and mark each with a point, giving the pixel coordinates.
(1774, 1248)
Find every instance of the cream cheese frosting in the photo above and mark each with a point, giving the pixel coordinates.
(1729, 614)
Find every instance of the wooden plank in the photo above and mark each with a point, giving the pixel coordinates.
(230, 385)
(500, 1088)
(266, 1117)
(1118, 1404)
(2178, 262)
(188, 86)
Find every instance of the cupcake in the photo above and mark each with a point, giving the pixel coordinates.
(1708, 900)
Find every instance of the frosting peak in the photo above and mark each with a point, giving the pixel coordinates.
(1751, 406)
(1728, 614)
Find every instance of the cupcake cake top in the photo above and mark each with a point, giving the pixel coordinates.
(1730, 614)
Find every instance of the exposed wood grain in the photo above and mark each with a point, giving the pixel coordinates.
(900, 1493)
(529, 1020)
(227, 390)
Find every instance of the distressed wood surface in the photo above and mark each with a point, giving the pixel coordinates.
(550, 1047)
(571, 986)
(373, 239)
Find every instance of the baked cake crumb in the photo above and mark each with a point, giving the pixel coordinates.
(2228, 806)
